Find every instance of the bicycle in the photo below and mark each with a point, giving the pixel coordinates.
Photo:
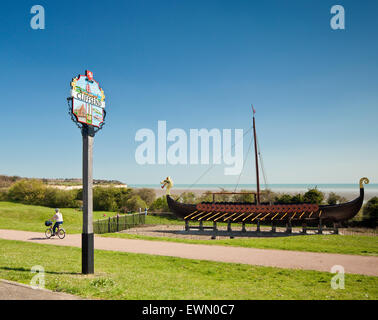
(61, 233)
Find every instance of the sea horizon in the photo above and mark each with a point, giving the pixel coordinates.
(274, 186)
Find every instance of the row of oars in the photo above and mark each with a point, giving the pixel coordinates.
(227, 216)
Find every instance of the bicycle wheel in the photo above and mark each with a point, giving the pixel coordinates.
(61, 233)
(48, 233)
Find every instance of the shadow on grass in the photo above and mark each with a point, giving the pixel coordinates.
(22, 269)
(236, 233)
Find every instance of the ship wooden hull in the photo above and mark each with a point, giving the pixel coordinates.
(251, 213)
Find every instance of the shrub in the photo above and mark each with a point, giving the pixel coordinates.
(247, 197)
(370, 211)
(134, 203)
(223, 197)
(146, 194)
(56, 198)
(298, 198)
(160, 204)
(33, 191)
(334, 198)
(188, 197)
(104, 199)
(313, 196)
(109, 198)
(284, 199)
(79, 194)
(3, 194)
(27, 191)
(267, 196)
(205, 197)
(121, 195)
(50, 197)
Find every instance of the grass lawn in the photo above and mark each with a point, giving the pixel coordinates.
(18, 216)
(137, 276)
(155, 219)
(359, 245)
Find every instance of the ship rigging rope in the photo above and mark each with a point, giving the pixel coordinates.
(262, 163)
(245, 161)
(212, 166)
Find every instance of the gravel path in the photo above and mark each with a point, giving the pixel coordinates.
(365, 265)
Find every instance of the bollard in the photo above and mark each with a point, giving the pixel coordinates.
(335, 228)
(320, 227)
(288, 227)
(229, 226)
(304, 228)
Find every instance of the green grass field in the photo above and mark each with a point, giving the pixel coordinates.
(138, 276)
(18, 216)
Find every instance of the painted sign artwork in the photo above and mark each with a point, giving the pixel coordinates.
(88, 100)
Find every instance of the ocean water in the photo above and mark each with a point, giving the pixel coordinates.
(327, 187)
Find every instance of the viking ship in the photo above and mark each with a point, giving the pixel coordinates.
(246, 212)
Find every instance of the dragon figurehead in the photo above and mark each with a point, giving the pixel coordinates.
(168, 183)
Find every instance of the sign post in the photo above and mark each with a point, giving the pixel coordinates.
(87, 237)
(87, 110)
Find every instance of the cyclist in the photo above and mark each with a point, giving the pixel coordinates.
(58, 217)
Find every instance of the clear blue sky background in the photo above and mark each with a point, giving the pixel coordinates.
(195, 64)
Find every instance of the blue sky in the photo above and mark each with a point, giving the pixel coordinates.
(195, 64)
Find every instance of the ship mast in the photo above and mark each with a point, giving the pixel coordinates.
(256, 158)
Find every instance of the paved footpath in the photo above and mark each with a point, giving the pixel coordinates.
(10, 290)
(365, 265)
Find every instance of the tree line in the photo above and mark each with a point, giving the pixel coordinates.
(35, 192)
(123, 200)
